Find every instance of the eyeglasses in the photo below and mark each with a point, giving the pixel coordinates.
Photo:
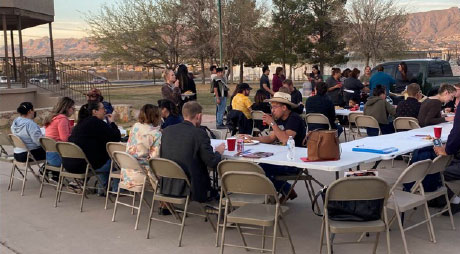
(275, 107)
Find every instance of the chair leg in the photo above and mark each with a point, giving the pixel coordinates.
(58, 189)
(275, 229)
(134, 203)
(116, 203)
(183, 221)
(430, 222)
(10, 185)
(376, 242)
(288, 234)
(403, 235)
(83, 193)
(140, 207)
(218, 221)
(60, 192)
(108, 193)
(150, 216)
(238, 228)
(450, 212)
(42, 183)
(224, 227)
(322, 236)
(263, 239)
(387, 229)
(24, 181)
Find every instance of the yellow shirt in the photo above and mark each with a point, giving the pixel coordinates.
(242, 103)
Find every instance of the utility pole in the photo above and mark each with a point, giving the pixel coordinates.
(219, 6)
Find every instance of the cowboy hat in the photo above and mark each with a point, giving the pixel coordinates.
(284, 98)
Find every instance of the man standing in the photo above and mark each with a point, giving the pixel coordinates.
(284, 123)
(334, 87)
(265, 82)
(221, 93)
(381, 78)
(212, 69)
(241, 102)
(189, 146)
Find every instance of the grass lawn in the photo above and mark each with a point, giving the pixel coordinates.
(138, 96)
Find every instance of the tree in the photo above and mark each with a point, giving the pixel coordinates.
(241, 19)
(290, 28)
(201, 20)
(376, 28)
(143, 32)
(328, 44)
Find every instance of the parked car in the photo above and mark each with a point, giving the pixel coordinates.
(3, 79)
(428, 73)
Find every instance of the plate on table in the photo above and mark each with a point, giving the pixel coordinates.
(248, 142)
(188, 94)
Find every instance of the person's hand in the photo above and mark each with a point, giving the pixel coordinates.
(176, 84)
(218, 100)
(440, 150)
(220, 148)
(450, 118)
(110, 118)
(267, 119)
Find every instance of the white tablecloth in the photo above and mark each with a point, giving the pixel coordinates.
(345, 112)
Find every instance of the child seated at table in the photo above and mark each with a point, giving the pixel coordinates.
(353, 103)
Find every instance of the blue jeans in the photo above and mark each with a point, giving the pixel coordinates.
(221, 110)
(104, 177)
(272, 171)
(53, 159)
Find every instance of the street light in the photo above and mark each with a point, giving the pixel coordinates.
(219, 6)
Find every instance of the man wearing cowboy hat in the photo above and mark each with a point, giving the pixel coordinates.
(284, 123)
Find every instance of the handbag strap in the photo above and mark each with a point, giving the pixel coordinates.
(321, 193)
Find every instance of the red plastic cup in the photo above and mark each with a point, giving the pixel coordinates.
(231, 142)
(71, 122)
(437, 131)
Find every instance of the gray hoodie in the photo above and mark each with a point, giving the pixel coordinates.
(28, 131)
(379, 109)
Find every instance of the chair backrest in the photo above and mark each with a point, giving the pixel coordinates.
(240, 166)
(248, 183)
(352, 116)
(17, 142)
(316, 118)
(257, 114)
(414, 124)
(439, 164)
(351, 188)
(218, 133)
(403, 123)
(48, 144)
(112, 147)
(125, 160)
(70, 150)
(364, 121)
(167, 168)
(414, 173)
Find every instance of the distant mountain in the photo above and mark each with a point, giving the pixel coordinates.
(439, 28)
(62, 47)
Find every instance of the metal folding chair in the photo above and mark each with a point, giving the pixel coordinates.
(49, 145)
(112, 147)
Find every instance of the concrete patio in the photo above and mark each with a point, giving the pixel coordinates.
(32, 225)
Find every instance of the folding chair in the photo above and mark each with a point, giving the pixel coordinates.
(404, 123)
(352, 123)
(262, 215)
(350, 189)
(220, 134)
(49, 145)
(363, 121)
(72, 151)
(439, 166)
(112, 147)
(127, 161)
(402, 201)
(315, 118)
(256, 115)
(414, 124)
(4, 156)
(238, 199)
(23, 166)
(166, 168)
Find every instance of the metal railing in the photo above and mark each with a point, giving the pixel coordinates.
(59, 78)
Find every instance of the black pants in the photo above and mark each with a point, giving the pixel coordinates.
(452, 172)
(39, 154)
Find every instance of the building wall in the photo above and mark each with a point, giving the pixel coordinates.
(39, 6)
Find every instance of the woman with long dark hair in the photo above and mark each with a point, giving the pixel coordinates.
(169, 113)
(403, 78)
(186, 84)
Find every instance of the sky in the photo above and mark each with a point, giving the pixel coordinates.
(69, 15)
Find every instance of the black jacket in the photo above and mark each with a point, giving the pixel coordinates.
(190, 147)
(92, 135)
(355, 85)
(322, 105)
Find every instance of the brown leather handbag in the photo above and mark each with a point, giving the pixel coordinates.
(323, 145)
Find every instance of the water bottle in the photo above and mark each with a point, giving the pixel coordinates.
(361, 106)
(291, 148)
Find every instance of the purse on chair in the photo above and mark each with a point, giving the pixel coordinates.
(323, 145)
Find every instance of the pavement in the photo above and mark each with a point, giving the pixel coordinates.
(29, 224)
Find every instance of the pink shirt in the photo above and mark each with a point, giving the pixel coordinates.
(59, 128)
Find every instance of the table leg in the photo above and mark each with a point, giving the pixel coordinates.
(376, 164)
